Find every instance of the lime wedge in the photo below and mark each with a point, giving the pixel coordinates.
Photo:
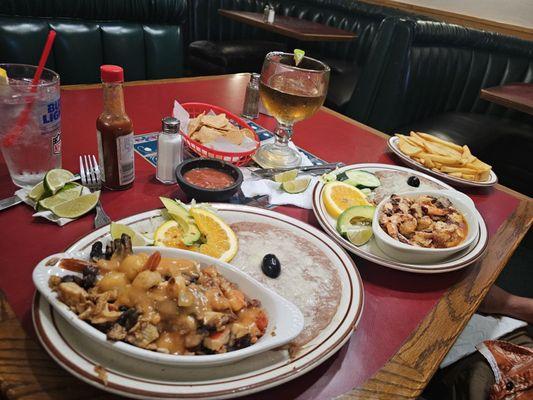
(55, 179)
(37, 192)
(286, 176)
(296, 186)
(298, 56)
(60, 197)
(359, 234)
(77, 207)
(137, 239)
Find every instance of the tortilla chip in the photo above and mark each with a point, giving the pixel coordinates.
(248, 133)
(195, 124)
(215, 121)
(234, 136)
(205, 135)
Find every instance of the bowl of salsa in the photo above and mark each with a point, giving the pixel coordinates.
(208, 179)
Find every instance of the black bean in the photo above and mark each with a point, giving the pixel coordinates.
(97, 251)
(123, 308)
(128, 318)
(73, 278)
(413, 181)
(271, 266)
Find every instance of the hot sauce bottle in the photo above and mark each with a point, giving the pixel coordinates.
(114, 132)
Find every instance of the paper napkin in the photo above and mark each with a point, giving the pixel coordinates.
(49, 215)
(252, 186)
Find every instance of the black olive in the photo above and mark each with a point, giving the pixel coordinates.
(97, 251)
(73, 278)
(271, 266)
(413, 181)
(128, 318)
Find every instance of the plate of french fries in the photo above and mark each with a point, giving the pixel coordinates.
(447, 160)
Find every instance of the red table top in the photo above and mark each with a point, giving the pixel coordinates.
(395, 301)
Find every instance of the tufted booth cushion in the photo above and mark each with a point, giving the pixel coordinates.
(210, 32)
(427, 76)
(147, 40)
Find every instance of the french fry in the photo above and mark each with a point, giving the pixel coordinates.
(443, 156)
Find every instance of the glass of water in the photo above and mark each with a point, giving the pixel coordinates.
(38, 147)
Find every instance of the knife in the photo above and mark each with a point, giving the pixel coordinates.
(270, 172)
(10, 201)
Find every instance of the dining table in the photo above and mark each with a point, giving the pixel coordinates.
(295, 28)
(409, 322)
(518, 96)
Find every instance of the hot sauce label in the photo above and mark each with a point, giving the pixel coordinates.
(100, 155)
(126, 159)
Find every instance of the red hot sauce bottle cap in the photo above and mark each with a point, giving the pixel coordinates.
(111, 73)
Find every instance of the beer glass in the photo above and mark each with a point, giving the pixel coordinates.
(290, 94)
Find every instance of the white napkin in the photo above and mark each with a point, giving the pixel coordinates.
(49, 215)
(252, 186)
(479, 329)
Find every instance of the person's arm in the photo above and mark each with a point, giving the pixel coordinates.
(498, 301)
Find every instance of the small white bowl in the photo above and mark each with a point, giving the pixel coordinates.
(285, 320)
(421, 255)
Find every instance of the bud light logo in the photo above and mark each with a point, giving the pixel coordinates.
(51, 116)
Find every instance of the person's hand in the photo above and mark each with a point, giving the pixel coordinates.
(498, 301)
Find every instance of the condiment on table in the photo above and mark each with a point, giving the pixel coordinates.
(114, 132)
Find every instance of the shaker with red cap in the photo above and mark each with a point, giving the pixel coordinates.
(114, 132)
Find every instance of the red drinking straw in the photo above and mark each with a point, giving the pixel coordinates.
(13, 135)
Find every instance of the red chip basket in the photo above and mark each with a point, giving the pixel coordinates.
(238, 159)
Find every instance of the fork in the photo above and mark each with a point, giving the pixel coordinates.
(90, 177)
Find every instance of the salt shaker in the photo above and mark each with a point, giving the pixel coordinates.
(266, 11)
(251, 99)
(169, 150)
(271, 15)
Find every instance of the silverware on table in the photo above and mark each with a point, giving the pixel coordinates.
(90, 177)
(270, 172)
(10, 201)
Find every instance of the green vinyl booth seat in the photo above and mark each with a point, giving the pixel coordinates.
(143, 37)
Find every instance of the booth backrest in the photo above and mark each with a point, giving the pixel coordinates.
(417, 69)
(143, 37)
(206, 24)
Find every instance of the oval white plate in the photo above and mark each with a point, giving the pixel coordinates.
(452, 180)
(285, 319)
(372, 252)
(79, 355)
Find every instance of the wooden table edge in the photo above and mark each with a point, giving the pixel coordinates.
(306, 37)
(392, 378)
(487, 94)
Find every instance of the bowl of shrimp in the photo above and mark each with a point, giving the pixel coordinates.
(424, 227)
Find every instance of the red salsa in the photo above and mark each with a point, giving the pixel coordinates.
(208, 178)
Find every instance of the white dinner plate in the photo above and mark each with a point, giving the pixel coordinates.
(126, 376)
(452, 180)
(372, 252)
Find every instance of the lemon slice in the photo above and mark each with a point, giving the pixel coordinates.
(338, 196)
(220, 240)
(286, 176)
(298, 56)
(169, 235)
(296, 186)
(77, 207)
(60, 197)
(137, 239)
(55, 179)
